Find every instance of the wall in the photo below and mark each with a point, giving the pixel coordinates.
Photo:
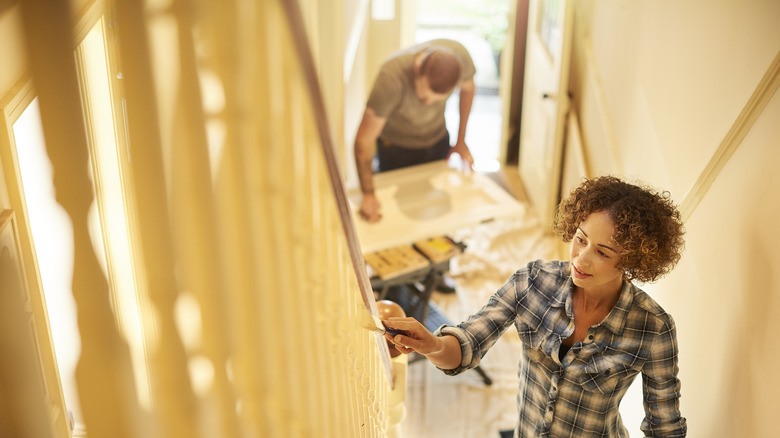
(11, 48)
(354, 81)
(14, 64)
(657, 87)
(726, 295)
(368, 43)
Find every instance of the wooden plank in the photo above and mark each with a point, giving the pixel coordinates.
(438, 249)
(396, 261)
(428, 200)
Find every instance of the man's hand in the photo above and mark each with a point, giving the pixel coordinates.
(370, 208)
(365, 149)
(467, 91)
(467, 160)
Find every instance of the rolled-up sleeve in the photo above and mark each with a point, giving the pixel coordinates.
(481, 330)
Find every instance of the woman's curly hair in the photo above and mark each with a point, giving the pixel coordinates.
(647, 224)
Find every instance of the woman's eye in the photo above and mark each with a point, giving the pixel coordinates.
(579, 239)
(603, 254)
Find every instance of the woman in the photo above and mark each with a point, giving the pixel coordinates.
(586, 330)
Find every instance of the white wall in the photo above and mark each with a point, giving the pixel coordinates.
(657, 86)
(726, 294)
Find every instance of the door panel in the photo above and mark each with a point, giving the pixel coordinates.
(545, 102)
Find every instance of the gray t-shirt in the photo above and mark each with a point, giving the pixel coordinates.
(410, 123)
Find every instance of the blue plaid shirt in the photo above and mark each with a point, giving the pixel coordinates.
(578, 395)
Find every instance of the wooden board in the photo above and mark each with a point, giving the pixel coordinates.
(396, 261)
(437, 249)
(428, 200)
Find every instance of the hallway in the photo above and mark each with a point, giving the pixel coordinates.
(190, 155)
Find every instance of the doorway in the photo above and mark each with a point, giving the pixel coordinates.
(481, 26)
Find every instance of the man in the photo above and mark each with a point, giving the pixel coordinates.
(403, 123)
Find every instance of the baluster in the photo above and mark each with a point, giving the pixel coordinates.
(197, 231)
(175, 405)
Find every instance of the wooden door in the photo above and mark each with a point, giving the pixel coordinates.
(545, 102)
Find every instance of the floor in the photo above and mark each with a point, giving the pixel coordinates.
(441, 406)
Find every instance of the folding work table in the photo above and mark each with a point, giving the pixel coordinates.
(422, 204)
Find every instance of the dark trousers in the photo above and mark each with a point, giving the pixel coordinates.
(395, 157)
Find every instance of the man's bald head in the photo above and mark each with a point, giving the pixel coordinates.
(441, 68)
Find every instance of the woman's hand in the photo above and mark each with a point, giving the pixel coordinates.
(442, 351)
(414, 337)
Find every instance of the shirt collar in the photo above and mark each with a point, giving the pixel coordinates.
(562, 296)
(615, 321)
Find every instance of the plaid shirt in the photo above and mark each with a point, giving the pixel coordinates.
(578, 395)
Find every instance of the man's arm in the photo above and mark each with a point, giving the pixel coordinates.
(467, 91)
(365, 149)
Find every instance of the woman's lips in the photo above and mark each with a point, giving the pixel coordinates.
(579, 274)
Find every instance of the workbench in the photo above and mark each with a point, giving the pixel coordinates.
(427, 200)
(420, 266)
(422, 204)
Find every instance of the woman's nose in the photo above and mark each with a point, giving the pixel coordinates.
(584, 258)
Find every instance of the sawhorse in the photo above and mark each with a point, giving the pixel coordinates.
(415, 301)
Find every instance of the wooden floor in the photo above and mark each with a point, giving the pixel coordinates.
(508, 177)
